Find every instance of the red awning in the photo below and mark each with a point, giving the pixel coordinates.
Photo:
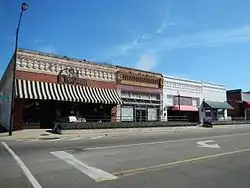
(246, 104)
(185, 108)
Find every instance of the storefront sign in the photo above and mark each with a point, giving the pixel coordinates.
(70, 76)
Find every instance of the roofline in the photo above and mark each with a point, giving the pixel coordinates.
(182, 79)
(194, 81)
(214, 84)
(234, 91)
(64, 57)
(118, 66)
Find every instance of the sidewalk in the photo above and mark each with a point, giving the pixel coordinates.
(43, 134)
(29, 134)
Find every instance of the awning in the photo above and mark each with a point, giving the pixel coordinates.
(185, 108)
(246, 104)
(27, 89)
(139, 102)
(217, 105)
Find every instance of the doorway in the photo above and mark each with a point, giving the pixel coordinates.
(141, 115)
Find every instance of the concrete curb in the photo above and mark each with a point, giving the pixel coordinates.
(26, 134)
(143, 130)
(127, 130)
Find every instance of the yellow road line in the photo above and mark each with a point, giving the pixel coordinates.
(160, 166)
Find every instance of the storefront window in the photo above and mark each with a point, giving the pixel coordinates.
(31, 112)
(220, 112)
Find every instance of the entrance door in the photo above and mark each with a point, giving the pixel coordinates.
(140, 115)
(47, 113)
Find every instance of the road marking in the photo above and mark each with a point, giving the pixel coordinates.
(78, 138)
(161, 166)
(96, 137)
(206, 145)
(163, 142)
(24, 168)
(55, 140)
(27, 140)
(94, 173)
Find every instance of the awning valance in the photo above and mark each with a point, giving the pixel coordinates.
(27, 89)
(185, 108)
(139, 102)
(246, 104)
(217, 105)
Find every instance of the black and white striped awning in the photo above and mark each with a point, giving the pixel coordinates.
(27, 89)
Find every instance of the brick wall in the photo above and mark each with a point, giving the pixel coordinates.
(233, 99)
(53, 79)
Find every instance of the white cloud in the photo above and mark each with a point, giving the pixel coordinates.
(165, 24)
(162, 27)
(208, 38)
(146, 62)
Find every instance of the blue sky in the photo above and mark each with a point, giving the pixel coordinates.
(197, 39)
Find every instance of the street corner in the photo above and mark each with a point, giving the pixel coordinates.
(28, 135)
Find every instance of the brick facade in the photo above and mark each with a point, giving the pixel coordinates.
(234, 98)
(18, 113)
(53, 79)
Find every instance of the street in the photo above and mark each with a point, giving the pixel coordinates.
(209, 158)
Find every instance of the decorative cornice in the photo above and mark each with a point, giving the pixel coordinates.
(37, 63)
(136, 72)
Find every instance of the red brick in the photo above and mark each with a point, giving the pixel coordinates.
(53, 79)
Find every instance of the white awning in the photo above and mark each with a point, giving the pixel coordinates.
(27, 89)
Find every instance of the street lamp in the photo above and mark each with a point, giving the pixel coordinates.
(179, 103)
(23, 8)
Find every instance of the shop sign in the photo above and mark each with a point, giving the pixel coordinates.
(70, 76)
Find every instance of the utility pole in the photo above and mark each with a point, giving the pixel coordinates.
(179, 103)
(23, 8)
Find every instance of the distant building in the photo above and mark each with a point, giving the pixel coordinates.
(241, 102)
(141, 93)
(193, 100)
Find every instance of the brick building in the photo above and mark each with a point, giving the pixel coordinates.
(141, 92)
(50, 86)
(241, 102)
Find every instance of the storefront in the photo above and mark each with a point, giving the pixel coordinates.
(181, 99)
(215, 110)
(214, 103)
(141, 93)
(50, 87)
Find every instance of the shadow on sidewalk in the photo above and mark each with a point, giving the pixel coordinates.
(3, 130)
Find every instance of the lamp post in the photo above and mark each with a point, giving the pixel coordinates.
(23, 8)
(179, 104)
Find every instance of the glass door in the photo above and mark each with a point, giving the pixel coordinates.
(141, 115)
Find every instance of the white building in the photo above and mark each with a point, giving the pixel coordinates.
(191, 100)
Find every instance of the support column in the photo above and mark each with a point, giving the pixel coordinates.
(114, 114)
(225, 114)
(245, 114)
(201, 113)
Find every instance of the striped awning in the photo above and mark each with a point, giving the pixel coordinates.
(27, 89)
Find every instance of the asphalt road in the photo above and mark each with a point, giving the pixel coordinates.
(169, 159)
